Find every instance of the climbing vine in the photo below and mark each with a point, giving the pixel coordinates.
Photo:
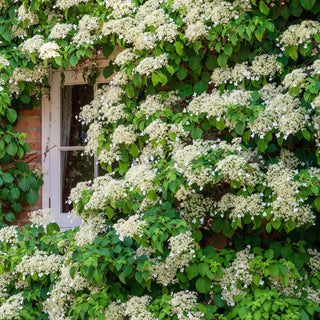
(208, 130)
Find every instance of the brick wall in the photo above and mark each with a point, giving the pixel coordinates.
(29, 121)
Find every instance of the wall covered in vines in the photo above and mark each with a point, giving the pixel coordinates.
(209, 134)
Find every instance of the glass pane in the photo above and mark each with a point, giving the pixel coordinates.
(73, 133)
(76, 167)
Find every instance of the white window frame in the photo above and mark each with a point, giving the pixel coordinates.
(51, 142)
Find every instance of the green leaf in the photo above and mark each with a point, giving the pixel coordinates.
(107, 50)
(293, 52)
(307, 4)
(317, 204)
(152, 195)
(32, 197)
(134, 150)
(14, 194)
(196, 133)
(7, 177)
(182, 73)
(269, 254)
(264, 8)
(179, 48)
(11, 115)
(203, 285)
(285, 12)
(211, 62)
(10, 217)
(304, 315)
(109, 212)
(239, 128)
(228, 49)
(108, 71)
(155, 79)
(222, 60)
(52, 227)
(12, 149)
(73, 61)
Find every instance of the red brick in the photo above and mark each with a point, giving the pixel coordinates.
(31, 112)
(35, 146)
(24, 123)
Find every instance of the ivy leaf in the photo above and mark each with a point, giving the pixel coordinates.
(182, 73)
(228, 49)
(179, 48)
(317, 204)
(12, 149)
(203, 285)
(222, 60)
(11, 115)
(307, 4)
(134, 150)
(107, 50)
(74, 61)
(32, 197)
(264, 8)
(7, 178)
(108, 71)
(239, 128)
(52, 227)
(10, 217)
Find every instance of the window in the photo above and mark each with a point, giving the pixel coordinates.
(63, 142)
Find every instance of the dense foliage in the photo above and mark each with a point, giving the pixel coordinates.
(209, 132)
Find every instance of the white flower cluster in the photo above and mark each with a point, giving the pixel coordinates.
(141, 176)
(9, 235)
(215, 104)
(237, 277)
(131, 227)
(88, 231)
(40, 262)
(182, 303)
(32, 45)
(150, 64)
(295, 78)
(87, 30)
(57, 305)
(136, 308)
(123, 134)
(66, 4)
(236, 167)
(136, 30)
(115, 311)
(106, 107)
(60, 30)
(28, 18)
(194, 207)
(198, 13)
(264, 65)
(299, 33)
(4, 61)
(94, 132)
(76, 192)
(41, 217)
(150, 106)
(5, 279)
(283, 113)
(11, 308)
(124, 56)
(314, 262)
(239, 206)
(49, 50)
(285, 189)
(181, 252)
(120, 8)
